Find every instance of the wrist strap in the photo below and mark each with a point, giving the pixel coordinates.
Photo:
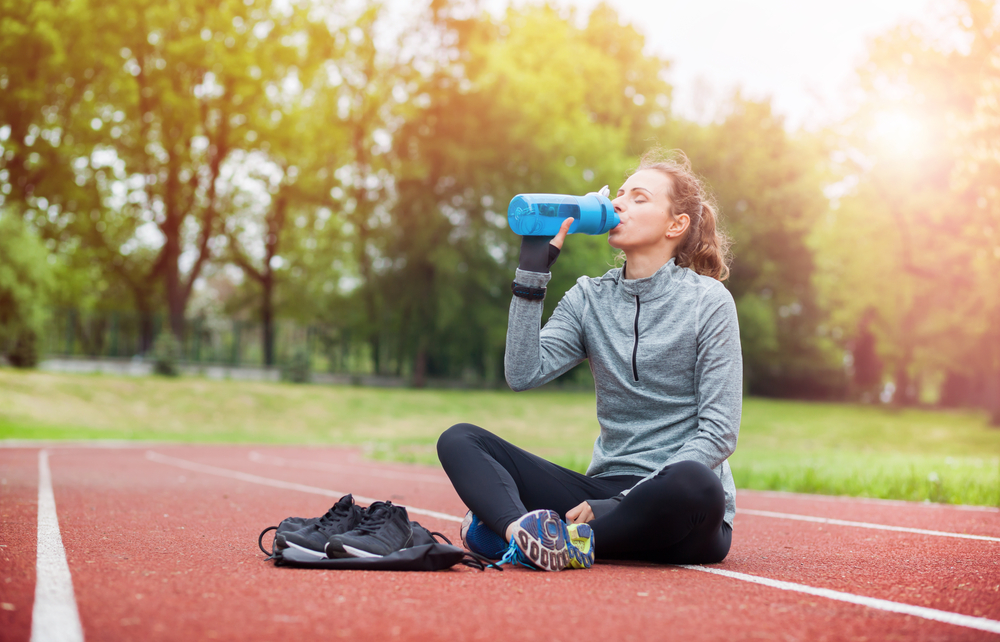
(526, 292)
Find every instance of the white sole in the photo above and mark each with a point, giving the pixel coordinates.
(308, 551)
(357, 552)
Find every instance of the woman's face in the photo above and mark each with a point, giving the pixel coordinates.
(644, 208)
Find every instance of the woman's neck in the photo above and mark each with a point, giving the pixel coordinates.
(639, 265)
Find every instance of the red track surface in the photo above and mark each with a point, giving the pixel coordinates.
(159, 552)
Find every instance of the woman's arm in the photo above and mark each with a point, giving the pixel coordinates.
(536, 356)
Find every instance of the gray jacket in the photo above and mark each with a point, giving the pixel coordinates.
(668, 369)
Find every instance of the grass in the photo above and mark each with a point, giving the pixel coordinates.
(920, 455)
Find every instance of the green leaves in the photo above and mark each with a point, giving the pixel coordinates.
(25, 282)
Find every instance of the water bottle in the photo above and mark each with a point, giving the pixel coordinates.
(543, 214)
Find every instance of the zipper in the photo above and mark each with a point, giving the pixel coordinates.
(635, 346)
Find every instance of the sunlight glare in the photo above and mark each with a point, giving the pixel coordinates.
(898, 132)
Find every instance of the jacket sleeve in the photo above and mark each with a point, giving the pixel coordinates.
(719, 386)
(535, 355)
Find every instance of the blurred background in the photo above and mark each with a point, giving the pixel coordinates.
(318, 187)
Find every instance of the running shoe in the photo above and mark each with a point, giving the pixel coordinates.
(480, 538)
(544, 542)
(384, 530)
(312, 538)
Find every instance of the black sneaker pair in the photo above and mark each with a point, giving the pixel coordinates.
(313, 533)
(348, 530)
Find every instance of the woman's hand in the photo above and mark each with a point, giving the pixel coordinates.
(582, 513)
(561, 236)
(538, 253)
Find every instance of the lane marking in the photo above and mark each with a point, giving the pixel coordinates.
(345, 468)
(881, 527)
(957, 619)
(784, 494)
(278, 483)
(54, 615)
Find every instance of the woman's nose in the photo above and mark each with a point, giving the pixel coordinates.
(619, 204)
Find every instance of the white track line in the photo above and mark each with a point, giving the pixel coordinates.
(784, 494)
(345, 468)
(54, 616)
(980, 623)
(277, 483)
(880, 527)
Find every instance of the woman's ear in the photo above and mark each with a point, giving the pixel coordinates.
(678, 225)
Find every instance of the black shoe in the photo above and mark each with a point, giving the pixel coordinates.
(385, 529)
(312, 538)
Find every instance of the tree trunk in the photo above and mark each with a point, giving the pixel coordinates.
(420, 368)
(267, 317)
(994, 397)
(171, 228)
(903, 396)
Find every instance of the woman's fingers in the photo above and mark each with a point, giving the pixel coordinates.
(580, 514)
(561, 236)
(573, 513)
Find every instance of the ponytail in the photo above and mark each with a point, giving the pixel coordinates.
(705, 247)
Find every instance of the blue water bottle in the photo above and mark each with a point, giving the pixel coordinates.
(543, 214)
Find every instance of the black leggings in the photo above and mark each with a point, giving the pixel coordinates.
(673, 518)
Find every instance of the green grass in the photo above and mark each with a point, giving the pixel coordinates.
(918, 455)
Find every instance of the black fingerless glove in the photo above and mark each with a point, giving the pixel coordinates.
(601, 507)
(537, 254)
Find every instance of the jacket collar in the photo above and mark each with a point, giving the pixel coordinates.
(661, 283)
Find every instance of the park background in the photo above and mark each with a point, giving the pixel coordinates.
(317, 189)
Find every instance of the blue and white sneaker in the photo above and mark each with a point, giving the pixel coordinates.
(543, 541)
(480, 538)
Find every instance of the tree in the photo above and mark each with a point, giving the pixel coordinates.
(158, 106)
(922, 150)
(513, 107)
(25, 280)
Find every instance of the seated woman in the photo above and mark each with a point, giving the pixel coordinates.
(663, 343)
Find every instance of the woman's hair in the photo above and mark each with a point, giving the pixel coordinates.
(705, 247)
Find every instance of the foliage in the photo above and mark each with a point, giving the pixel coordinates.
(298, 368)
(909, 252)
(166, 355)
(24, 352)
(289, 160)
(26, 280)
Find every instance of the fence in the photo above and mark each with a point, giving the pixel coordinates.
(205, 341)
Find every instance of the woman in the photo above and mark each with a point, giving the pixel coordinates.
(663, 343)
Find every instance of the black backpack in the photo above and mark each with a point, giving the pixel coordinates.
(426, 553)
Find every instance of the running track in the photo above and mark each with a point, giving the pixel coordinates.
(158, 542)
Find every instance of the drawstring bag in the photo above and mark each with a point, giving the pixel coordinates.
(430, 551)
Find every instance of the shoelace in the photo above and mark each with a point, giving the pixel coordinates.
(377, 515)
(336, 512)
(514, 556)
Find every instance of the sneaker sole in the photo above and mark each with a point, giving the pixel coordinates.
(542, 538)
(357, 552)
(581, 546)
(308, 551)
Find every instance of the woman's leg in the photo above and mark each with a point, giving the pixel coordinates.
(675, 517)
(500, 482)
